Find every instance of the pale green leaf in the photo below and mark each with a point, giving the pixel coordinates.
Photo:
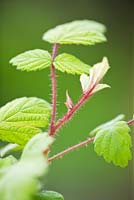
(32, 60)
(21, 181)
(5, 163)
(37, 145)
(113, 142)
(49, 195)
(84, 32)
(9, 148)
(8, 161)
(70, 64)
(107, 124)
(84, 80)
(97, 72)
(22, 118)
(100, 87)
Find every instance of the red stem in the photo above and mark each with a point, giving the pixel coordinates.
(71, 112)
(61, 154)
(130, 122)
(54, 98)
(84, 143)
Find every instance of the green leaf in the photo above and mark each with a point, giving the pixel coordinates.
(9, 148)
(5, 163)
(36, 146)
(21, 181)
(107, 124)
(22, 118)
(70, 64)
(49, 195)
(84, 32)
(8, 161)
(32, 60)
(18, 183)
(113, 142)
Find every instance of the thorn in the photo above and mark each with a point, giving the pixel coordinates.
(46, 152)
(69, 104)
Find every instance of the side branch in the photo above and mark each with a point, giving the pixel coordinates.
(61, 154)
(74, 109)
(53, 78)
(130, 122)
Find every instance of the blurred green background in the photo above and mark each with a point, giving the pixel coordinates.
(80, 175)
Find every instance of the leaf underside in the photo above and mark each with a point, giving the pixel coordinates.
(70, 64)
(22, 118)
(32, 60)
(49, 195)
(113, 142)
(9, 148)
(83, 32)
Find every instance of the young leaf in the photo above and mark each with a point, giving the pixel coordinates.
(9, 148)
(70, 64)
(32, 60)
(69, 104)
(84, 80)
(21, 181)
(49, 195)
(113, 142)
(100, 86)
(8, 161)
(38, 144)
(84, 32)
(5, 163)
(22, 118)
(97, 72)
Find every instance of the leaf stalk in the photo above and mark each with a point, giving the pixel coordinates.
(72, 148)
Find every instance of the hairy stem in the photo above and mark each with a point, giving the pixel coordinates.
(81, 144)
(53, 78)
(130, 122)
(62, 153)
(71, 112)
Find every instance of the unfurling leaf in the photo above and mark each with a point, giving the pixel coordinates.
(70, 64)
(113, 142)
(84, 79)
(100, 87)
(49, 195)
(22, 118)
(21, 180)
(37, 145)
(83, 32)
(6, 162)
(69, 104)
(32, 60)
(9, 148)
(97, 72)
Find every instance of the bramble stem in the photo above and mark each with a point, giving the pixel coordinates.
(84, 143)
(130, 122)
(71, 112)
(54, 93)
(62, 153)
